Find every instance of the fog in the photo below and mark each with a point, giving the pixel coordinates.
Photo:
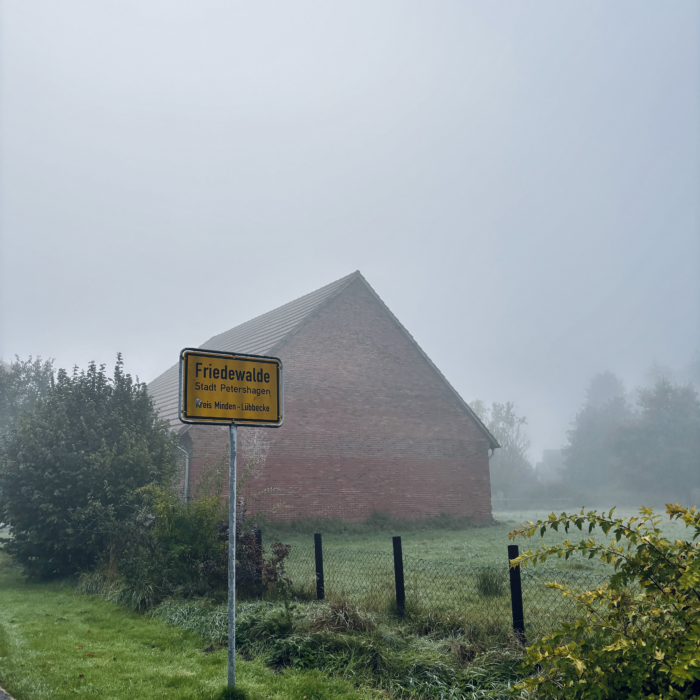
(518, 181)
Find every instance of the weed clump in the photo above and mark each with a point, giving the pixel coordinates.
(340, 616)
(491, 583)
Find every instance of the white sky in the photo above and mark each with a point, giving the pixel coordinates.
(518, 180)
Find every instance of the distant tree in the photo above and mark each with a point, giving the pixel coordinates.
(590, 458)
(658, 452)
(649, 452)
(77, 460)
(510, 466)
(691, 373)
(603, 388)
(22, 384)
(657, 372)
(481, 409)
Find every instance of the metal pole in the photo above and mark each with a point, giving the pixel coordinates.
(320, 581)
(398, 577)
(233, 439)
(516, 593)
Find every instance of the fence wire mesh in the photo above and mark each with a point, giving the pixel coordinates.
(480, 594)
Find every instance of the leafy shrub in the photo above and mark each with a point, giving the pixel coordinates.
(637, 636)
(490, 583)
(77, 461)
(167, 547)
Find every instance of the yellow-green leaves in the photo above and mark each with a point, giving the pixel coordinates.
(639, 635)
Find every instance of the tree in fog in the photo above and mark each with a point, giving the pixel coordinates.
(589, 457)
(658, 451)
(691, 372)
(657, 372)
(22, 384)
(648, 452)
(510, 466)
(604, 387)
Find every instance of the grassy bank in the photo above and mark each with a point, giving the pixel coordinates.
(424, 655)
(57, 644)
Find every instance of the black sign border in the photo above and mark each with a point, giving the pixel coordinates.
(266, 359)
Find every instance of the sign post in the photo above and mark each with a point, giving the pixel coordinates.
(223, 388)
(233, 444)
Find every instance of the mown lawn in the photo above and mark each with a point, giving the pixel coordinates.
(57, 644)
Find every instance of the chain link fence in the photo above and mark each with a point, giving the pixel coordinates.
(481, 595)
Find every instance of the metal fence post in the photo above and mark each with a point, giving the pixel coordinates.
(320, 583)
(398, 577)
(516, 593)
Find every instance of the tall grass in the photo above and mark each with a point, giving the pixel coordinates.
(424, 655)
(491, 583)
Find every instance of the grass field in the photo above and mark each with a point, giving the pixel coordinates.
(57, 644)
(463, 571)
(478, 546)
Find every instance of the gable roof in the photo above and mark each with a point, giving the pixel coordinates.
(266, 333)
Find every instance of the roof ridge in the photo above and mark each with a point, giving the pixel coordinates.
(324, 302)
(464, 404)
(347, 279)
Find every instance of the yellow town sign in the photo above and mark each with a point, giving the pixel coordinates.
(228, 388)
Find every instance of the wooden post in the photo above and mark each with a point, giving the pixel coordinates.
(320, 583)
(516, 593)
(398, 578)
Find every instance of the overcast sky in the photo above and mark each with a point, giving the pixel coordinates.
(517, 180)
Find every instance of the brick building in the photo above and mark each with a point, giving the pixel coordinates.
(370, 422)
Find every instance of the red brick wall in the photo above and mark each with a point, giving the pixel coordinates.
(369, 425)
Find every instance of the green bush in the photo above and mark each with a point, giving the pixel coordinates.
(75, 463)
(637, 636)
(172, 548)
